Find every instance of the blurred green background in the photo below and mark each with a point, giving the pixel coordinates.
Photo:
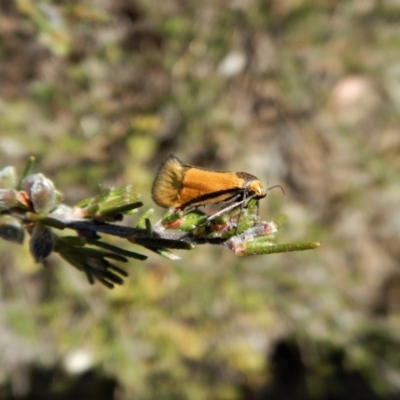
(304, 94)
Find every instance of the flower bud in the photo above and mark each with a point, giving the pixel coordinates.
(41, 192)
(41, 243)
(11, 229)
(8, 177)
(8, 199)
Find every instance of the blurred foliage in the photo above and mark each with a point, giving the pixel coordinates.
(304, 93)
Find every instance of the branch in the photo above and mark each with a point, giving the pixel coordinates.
(32, 204)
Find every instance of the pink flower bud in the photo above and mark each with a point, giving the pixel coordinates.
(8, 199)
(41, 192)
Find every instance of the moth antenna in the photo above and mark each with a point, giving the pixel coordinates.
(277, 186)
